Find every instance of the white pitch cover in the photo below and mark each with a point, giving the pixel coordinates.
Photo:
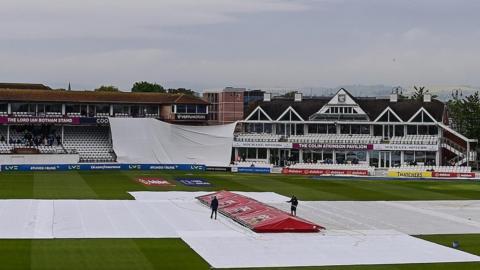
(144, 140)
(222, 242)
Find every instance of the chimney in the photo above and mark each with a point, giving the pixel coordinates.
(298, 97)
(267, 97)
(427, 98)
(394, 98)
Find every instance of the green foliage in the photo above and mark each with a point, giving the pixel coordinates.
(420, 92)
(290, 94)
(147, 87)
(106, 88)
(465, 114)
(185, 91)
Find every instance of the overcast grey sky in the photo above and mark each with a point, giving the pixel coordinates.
(252, 43)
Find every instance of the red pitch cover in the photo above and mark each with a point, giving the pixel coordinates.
(258, 216)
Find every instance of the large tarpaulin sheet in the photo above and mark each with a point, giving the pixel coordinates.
(258, 216)
(144, 140)
(224, 243)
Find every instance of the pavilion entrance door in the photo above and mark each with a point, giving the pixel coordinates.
(384, 159)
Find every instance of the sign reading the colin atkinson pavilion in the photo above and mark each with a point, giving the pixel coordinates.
(333, 146)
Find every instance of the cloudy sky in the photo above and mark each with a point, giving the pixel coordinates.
(249, 43)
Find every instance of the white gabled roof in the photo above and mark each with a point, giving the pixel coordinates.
(420, 111)
(342, 98)
(290, 109)
(257, 110)
(388, 109)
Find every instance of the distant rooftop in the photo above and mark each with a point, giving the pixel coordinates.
(30, 86)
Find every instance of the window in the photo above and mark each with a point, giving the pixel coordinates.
(23, 107)
(191, 108)
(344, 129)
(151, 109)
(322, 129)
(251, 153)
(377, 130)
(364, 129)
(201, 109)
(102, 108)
(299, 129)
(420, 156)
(408, 157)
(431, 158)
(3, 107)
(122, 109)
(56, 108)
(411, 130)
(267, 128)
(422, 130)
(396, 158)
(72, 108)
(262, 153)
(355, 129)
(399, 131)
(331, 129)
(313, 128)
(181, 108)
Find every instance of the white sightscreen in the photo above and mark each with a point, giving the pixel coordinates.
(144, 140)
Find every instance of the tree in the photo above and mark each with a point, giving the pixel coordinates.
(107, 88)
(420, 92)
(290, 94)
(465, 114)
(147, 87)
(189, 92)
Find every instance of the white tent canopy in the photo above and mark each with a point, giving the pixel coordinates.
(144, 140)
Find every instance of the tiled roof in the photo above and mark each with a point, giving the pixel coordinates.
(405, 109)
(35, 95)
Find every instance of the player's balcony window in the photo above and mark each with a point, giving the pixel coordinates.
(73, 109)
(399, 131)
(123, 110)
(331, 129)
(23, 108)
(412, 130)
(101, 109)
(3, 108)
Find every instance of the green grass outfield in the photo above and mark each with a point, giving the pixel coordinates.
(116, 184)
(133, 254)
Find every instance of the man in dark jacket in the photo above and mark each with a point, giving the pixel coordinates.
(214, 206)
(293, 208)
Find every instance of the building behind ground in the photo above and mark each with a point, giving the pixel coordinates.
(35, 119)
(226, 105)
(378, 132)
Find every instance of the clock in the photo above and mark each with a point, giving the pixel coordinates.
(341, 98)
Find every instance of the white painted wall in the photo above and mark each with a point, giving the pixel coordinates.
(39, 159)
